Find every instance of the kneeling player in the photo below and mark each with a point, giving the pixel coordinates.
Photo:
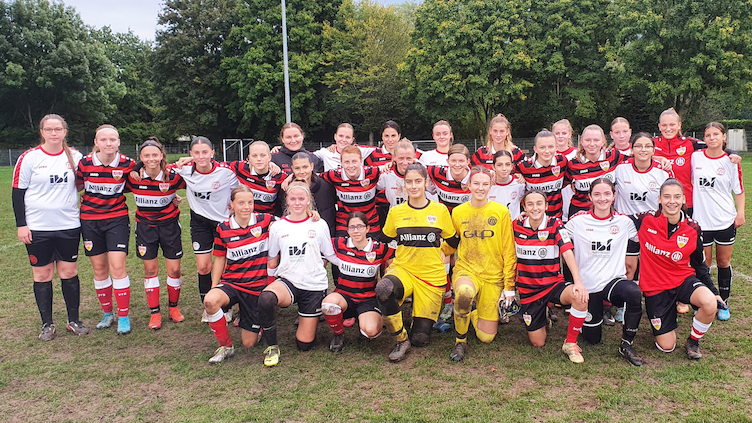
(539, 241)
(360, 258)
(239, 273)
(486, 263)
(417, 225)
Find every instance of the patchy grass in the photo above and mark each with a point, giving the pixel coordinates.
(164, 375)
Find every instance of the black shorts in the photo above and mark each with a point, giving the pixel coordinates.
(633, 248)
(721, 237)
(150, 237)
(203, 232)
(102, 236)
(613, 292)
(50, 246)
(249, 319)
(534, 314)
(309, 302)
(356, 308)
(661, 307)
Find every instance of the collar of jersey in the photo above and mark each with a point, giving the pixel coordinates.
(97, 162)
(367, 248)
(158, 178)
(451, 178)
(652, 165)
(41, 147)
(503, 184)
(295, 221)
(602, 157)
(235, 225)
(214, 166)
(360, 177)
(591, 212)
(544, 223)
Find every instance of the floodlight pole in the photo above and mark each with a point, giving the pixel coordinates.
(287, 73)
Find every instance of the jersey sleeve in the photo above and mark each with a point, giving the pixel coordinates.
(562, 237)
(220, 248)
(325, 244)
(736, 184)
(697, 261)
(274, 241)
(328, 176)
(449, 246)
(508, 251)
(447, 226)
(389, 229)
(22, 173)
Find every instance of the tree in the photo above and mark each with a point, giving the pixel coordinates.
(51, 64)
(471, 58)
(255, 67)
(192, 87)
(676, 52)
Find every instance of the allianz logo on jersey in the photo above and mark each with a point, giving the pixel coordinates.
(246, 251)
(358, 270)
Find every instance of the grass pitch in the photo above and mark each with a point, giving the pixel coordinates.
(164, 375)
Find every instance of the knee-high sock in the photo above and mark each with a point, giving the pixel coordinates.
(394, 325)
(698, 329)
(463, 302)
(173, 290)
(218, 325)
(72, 296)
(267, 304)
(122, 288)
(104, 294)
(333, 315)
(725, 276)
(632, 316)
(151, 286)
(43, 295)
(576, 319)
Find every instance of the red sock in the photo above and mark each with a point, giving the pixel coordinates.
(219, 328)
(448, 290)
(576, 320)
(123, 297)
(173, 294)
(335, 322)
(152, 299)
(105, 298)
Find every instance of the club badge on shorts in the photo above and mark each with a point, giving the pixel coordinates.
(88, 245)
(656, 323)
(142, 250)
(527, 318)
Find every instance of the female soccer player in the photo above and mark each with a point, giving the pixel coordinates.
(544, 171)
(621, 133)
(593, 161)
(104, 223)
(355, 296)
(672, 268)
(393, 182)
(418, 227)
(451, 180)
(239, 274)
(292, 136)
(499, 138)
(600, 245)
(296, 244)
(158, 225)
(506, 189)
(563, 132)
(208, 189)
(45, 204)
(486, 262)
(390, 136)
(717, 183)
(324, 194)
(442, 136)
(257, 174)
(637, 183)
(540, 240)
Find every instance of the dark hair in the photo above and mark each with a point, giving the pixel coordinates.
(459, 149)
(418, 167)
(534, 191)
(716, 125)
(358, 215)
(672, 182)
(502, 153)
(602, 180)
(639, 135)
(543, 134)
(154, 142)
(302, 155)
(65, 142)
(391, 124)
(201, 140)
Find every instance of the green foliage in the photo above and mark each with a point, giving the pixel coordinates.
(192, 87)
(52, 64)
(255, 67)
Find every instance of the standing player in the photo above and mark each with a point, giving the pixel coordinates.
(545, 172)
(563, 132)
(621, 133)
(45, 204)
(239, 274)
(355, 296)
(451, 180)
(255, 173)
(392, 183)
(540, 240)
(499, 138)
(600, 245)
(292, 136)
(672, 268)
(717, 183)
(158, 225)
(486, 263)
(442, 136)
(418, 227)
(296, 245)
(506, 189)
(104, 223)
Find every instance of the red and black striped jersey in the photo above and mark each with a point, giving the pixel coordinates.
(103, 186)
(265, 187)
(359, 268)
(154, 197)
(246, 250)
(569, 153)
(485, 154)
(355, 195)
(679, 152)
(549, 179)
(451, 193)
(538, 252)
(378, 157)
(581, 172)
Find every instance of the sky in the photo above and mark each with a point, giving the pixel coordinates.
(137, 15)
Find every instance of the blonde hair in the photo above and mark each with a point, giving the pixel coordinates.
(235, 191)
(500, 118)
(614, 122)
(404, 144)
(301, 185)
(580, 148)
(569, 126)
(67, 150)
(100, 129)
(671, 112)
(351, 149)
(458, 149)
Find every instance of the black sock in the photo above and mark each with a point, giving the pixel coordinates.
(43, 295)
(204, 285)
(693, 342)
(632, 316)
(72, 296)
(724, 282)
(267, 304)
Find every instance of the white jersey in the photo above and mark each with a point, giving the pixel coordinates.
(51, 196)
(300, 246)
(567, 192)
(393, 185)
(637, 191)
(714, 181)
(209, 193)
(600, 247)
(433, 158)
(509, 194)
(334, 160)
